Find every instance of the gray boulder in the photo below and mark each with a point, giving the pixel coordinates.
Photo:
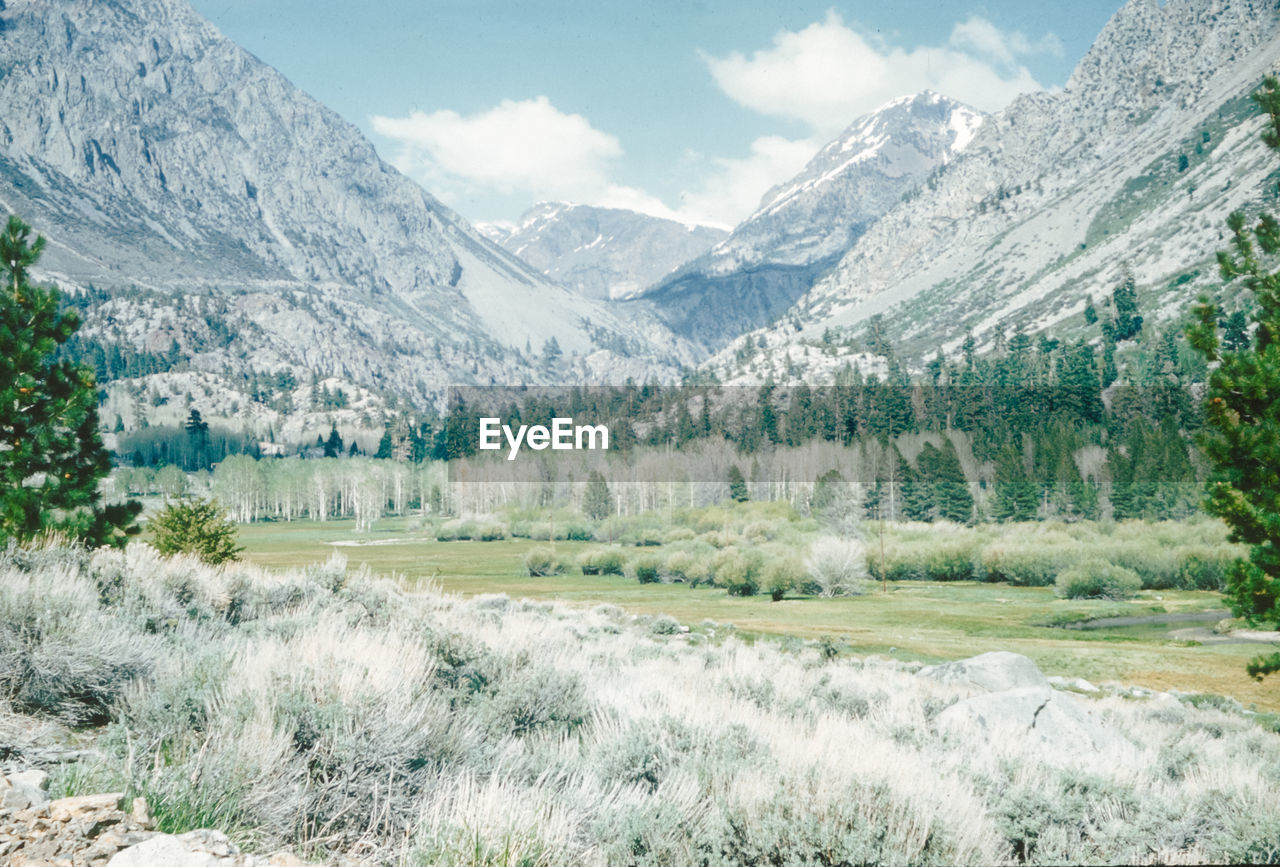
(1040, 715)
(203, 848)
(989, 672)
(24, 790)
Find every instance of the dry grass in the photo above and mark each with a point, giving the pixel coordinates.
(334, 713)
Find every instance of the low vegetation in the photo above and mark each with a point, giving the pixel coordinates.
(332, 713)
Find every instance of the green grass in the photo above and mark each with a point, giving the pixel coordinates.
(913, 620)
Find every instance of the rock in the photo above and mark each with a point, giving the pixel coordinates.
(285, 859)
(1039, 714)
(989, 672)
(141, 812)
(203, 848)
(24, 790)
(66, 809)
(1077, 684)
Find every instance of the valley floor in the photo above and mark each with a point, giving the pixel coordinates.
(925, 621)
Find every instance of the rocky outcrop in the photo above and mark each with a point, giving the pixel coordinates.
(803, 226)
(1134, 164)
(155, 153)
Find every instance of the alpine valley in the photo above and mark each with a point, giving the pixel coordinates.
(236, 247)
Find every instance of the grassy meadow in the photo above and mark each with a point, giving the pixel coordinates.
(912, 620)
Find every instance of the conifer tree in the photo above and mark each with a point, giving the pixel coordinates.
(737, 485)
(1242, 435)
(597, 502)
(917, 493)
(1015, 492)
(951, 495)
(53, 455)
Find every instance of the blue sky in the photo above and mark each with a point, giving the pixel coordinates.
(689, 109)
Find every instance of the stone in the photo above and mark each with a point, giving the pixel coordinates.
(66, 809)
(141, 812)
(1076, 684)
(1041, 715)
(989, 672)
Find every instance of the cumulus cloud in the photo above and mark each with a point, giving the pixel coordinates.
(825, 76)
(828, 73)
(527, 146)
(732, 187)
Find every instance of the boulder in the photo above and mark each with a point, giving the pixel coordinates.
(24, 790)
(203, 848)
(1040, 715)
(989, 672)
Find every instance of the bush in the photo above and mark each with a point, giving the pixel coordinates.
(646, 570)
(198, 527)
(540, 562)
(490, 533)
(602, 561)
(782, 576)
(837, 566)
(665, 624)
(738, 572)
(1098, 579)
(688, 567)
(1027, 564)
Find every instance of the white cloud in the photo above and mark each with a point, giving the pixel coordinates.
(518, 147)
(828, 74)
(825, 75)
(530, 148)
(732, 187)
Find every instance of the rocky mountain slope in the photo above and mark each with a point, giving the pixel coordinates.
(602, 253)
(803, 226)
(1134, 165)
(231, 216)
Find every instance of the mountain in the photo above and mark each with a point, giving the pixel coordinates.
(1132, 167)
(225, 215)
(803, 226)
(602, 253)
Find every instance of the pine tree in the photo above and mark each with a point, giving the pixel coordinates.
(1242, 436)
(917, 492)
(951, 495)
(53, 455)
(737, 485)
(198, 527)
(333, 445)
(597, 502)
(1015, 492)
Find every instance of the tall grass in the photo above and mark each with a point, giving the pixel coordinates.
(331, 713)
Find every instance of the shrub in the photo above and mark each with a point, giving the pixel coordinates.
(1204, 568)
(838, 566)
(490, 533)
(1027, 564)
(687, 566)
(579, 532)
(782, 576)
(198, 527)
(738, 572)
(540, 562)
(665, 624)
(647, 569)
(1098, 579)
